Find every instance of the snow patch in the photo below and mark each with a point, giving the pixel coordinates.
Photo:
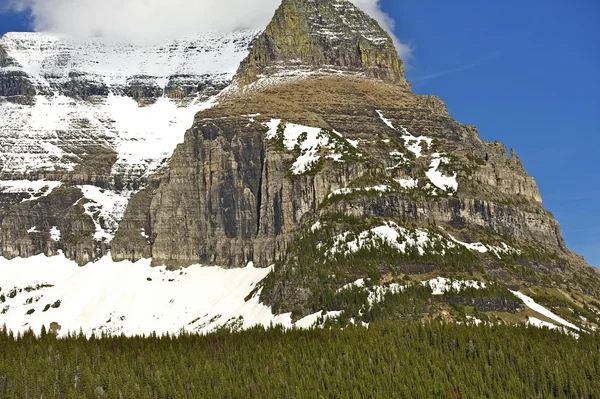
(55, 234)
(474, 320)
(408, 183)
(314, 319)
(385, 120)
(498, 251)
(313, 141)
(414, 144)
(442, 285)
(391, 234)
(145, 136)
(310, 141)
(347, 191)
(353, 143)
(535, 322)
(438, 285)
(444, 183)
(360, 283)
(315, 227)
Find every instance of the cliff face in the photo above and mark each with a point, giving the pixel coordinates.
(318, 147)
(231, 194)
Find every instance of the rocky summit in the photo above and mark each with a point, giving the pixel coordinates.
(314, 163)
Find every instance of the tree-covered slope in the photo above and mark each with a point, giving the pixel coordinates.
(387, 360)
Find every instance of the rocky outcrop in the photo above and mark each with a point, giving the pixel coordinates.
(229, 196)
(80, 85)
(15, 85)
(362, 150)
(305, 36)
(98, 114)
(52, 223)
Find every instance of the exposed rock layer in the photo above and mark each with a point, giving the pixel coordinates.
(229, 197)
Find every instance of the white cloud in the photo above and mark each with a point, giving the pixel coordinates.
(153, 20)
(373, 8)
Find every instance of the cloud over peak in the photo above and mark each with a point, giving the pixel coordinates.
(155, 20)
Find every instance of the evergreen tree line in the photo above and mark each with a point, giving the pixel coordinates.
(388, 360)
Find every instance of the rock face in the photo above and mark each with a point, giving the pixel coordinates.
(64, 102)
(323, 35)
(14, 84)
(317, 159)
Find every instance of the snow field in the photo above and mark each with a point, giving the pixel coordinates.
(133, 298)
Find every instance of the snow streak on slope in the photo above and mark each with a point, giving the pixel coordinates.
(531, 304)
(535, 322)
(438, 286)
(130, 298)
(503, 249)
(385, 120)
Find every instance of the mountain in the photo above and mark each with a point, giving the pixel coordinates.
(348, 197)
(97, 117)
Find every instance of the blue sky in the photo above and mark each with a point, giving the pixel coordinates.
(525, 73)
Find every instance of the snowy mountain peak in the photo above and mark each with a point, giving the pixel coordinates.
(52, 60)
(64, 102)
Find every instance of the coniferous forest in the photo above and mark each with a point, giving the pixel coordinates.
(387, 360)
